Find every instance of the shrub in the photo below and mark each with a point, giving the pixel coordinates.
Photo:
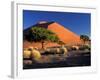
(57, 50)
(64, 50)
(26, 53)
(35, 55)
(84, 47)
(69, 48)
(75, 48)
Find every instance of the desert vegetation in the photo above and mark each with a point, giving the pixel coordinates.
(84, 38)
(38, 34)
(55, 54)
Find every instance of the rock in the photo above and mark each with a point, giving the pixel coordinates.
(27, 62)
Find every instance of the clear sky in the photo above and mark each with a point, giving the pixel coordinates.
(79, 23)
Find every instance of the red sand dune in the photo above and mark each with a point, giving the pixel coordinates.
(63, 33)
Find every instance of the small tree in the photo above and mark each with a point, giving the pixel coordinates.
(84, 38)
(39, 34)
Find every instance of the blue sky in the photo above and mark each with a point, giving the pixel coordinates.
(79, 23)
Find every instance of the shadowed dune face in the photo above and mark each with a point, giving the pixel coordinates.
(63, 33)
